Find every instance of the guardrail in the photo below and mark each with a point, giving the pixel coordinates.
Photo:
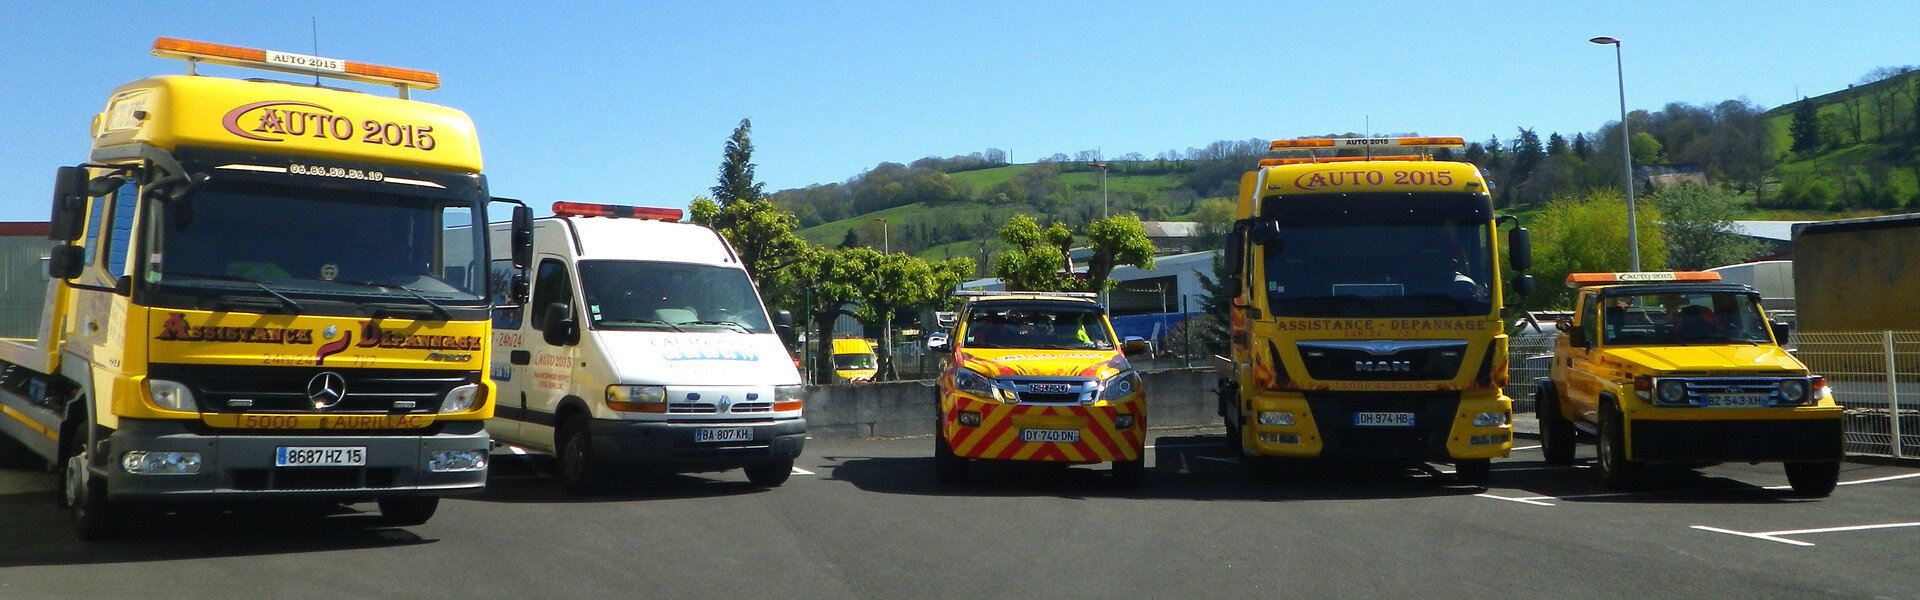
(1867, 372)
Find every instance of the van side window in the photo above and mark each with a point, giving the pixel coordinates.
(499, 292)
(551, 285)
(1590, 317)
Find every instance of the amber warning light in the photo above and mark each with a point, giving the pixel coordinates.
(582, 209)
(235, 56)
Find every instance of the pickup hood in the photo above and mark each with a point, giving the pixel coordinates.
(697, 358)
(1094, 364)
(1708, 359)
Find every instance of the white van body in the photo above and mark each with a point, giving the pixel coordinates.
(669, 363)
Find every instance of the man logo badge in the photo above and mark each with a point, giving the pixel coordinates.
(1383, 366)
(326, 390)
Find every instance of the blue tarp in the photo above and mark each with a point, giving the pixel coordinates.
(1152, 327)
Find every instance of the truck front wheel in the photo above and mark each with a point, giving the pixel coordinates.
(1813, 479)
(580, 471)
(405, 511)
(770, 474)
(1615, 470)
(1556, 432)
(95, 518)
(1477, 472)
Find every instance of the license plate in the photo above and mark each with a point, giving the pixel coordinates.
(1383, 419)
(1069, 436)
(723, 434)
(296, 456)
(1050, 388)
(1734, 400)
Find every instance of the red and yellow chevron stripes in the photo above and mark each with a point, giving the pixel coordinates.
(998, 436)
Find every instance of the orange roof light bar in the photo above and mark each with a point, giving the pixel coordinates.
(1399, 142)
(583, 209)
(235, 56)
(1575, 280)
(1275, 162)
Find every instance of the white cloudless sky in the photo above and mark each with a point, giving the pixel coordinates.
(632, 102)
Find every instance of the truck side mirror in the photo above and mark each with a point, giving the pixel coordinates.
(522, 237)
(65, 261)
(557, 327)
(1520, 249)
(69, 205)
(1134, 346)
(1523, 285)
(1266, 234)
(1577, 336)
(1781, 331)
(783, 325)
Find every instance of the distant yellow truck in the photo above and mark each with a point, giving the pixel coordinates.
(1678, 367)
(854, 360)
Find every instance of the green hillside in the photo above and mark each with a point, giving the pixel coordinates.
(1867, 153)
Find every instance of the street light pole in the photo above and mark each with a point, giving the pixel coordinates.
(1103, 188)
(886, 239)
(1626, 154)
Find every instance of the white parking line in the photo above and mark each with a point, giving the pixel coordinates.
(1775, 536)
(1533, 447)
(800, 471)
(1537, 500)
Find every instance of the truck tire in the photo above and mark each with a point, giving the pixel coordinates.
(406, 511)
(770, 474)
(1813, 479)
(1557, 441)
(1477, 472)
(95, 517)
(948, 468)
(1130, 473)
(1616, 471)
(1229, 415)
(580, 470)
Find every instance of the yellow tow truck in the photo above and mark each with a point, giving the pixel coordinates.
(1681, 368)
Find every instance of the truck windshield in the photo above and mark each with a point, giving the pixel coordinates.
(1381, 255)
(855, 361)
(1037, 328)
(1680, 318)
(632, 294)
(268, 240)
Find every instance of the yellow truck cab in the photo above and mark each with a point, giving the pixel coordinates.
(262, 290)
(1030, 376)
(1366, 321)
(854, 360)
(1678, 367)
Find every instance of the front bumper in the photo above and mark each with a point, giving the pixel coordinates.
(672, 446)
(998, 436)
(1324, 425)
(1737, 435)
(238, 466)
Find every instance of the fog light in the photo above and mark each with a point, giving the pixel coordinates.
(969, 418)
(1123, 421)
(1280, 419)
(1490, 419)
(1279, 438)
(457, 460)
(161, 463)
(1484, 440)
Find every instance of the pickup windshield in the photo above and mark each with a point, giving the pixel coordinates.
(633, 294)
(284, 244)
(1062, 328)
(1381, 255)
(1682, 318)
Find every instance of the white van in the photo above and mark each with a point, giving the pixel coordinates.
(644, 346)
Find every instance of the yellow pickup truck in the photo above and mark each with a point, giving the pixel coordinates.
(1681, 368)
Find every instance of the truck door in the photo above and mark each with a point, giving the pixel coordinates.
(549, 376)
(1584, 378)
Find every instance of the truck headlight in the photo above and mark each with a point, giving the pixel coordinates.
(970, 382)
(1672, 391)
(171, 395)
(441, 461)
(1277, 419)
(1795, 390)
(637, 398)
(161, 463)
(461, 399)
(1120, 386)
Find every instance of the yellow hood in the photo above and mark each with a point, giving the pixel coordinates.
(1709, 359)
(1094, 364)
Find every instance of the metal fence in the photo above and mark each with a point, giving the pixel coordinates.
(1866, 372)
(1876, 375)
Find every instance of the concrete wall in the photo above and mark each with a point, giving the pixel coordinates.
(1179, 398)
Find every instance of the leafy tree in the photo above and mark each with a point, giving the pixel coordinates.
(736, 170)
(1805, 127)
(1581, 147)
(1557, 145)
(761, 233)
(1647, 149)
(1036, 259)
(1698, 225)
(1117, 240)
(1215, 218)
(1579, 234)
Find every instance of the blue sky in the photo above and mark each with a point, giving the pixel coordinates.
(632, 102)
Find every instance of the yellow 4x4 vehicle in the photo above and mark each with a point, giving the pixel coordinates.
(1032, 376)
(1677, 367)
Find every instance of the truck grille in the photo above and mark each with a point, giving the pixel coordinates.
(234, 389)
(1383, 360)
(1432, 420)
(1053, 390)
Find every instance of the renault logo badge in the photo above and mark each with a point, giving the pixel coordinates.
(326, 390)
